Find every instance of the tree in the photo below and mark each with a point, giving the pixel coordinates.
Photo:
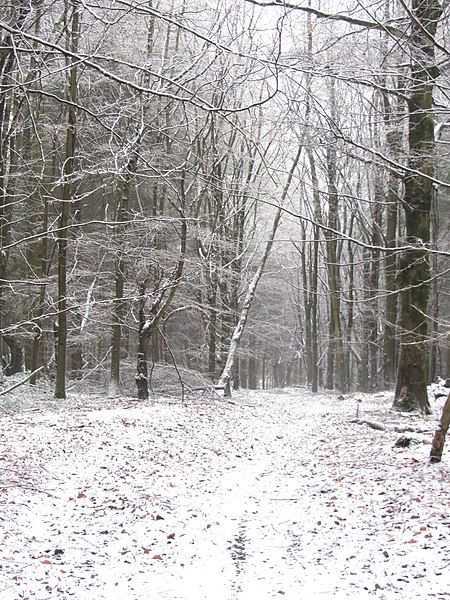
(154, 165)
(73, 22)
(16, 16)
(414, 277)
(437, 446)
(153, 305)
(225, 377)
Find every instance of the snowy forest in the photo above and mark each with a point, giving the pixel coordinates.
(237, 213)
(255, 191)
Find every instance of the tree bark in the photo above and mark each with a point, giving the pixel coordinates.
(390, 275)
(393, 115)
(17, 360)
(44, 271)
(118, 312)
(437, 446)
(66, 201)
(412, 375)
(336, 372)
(313, 277)
(252, 380)
(8, 58)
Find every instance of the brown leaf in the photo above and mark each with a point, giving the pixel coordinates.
(157, 557)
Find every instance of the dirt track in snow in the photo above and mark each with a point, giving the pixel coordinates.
(270, 496)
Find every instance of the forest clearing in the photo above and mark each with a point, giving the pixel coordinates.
(268, 495)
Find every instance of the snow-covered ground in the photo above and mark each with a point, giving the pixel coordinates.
(270, 495)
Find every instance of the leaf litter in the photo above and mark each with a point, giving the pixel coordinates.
(271, 495)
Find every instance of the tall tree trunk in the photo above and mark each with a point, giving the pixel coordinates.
(8, 159)
(44, 268)
(336, 358)
(212, 326)
(390, 278)
(161, 297)
(412, 375)
(118, 312)
(434, 300)
(437, 446)
(66, 201)
(226, 374)
(17, 359)
(252, 374)
(314, 275)
(393, 116)
(371, 259)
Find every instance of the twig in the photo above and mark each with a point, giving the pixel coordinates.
(29, 488)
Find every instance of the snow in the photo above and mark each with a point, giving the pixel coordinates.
(269, 495)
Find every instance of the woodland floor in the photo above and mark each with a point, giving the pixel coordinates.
(270, 495)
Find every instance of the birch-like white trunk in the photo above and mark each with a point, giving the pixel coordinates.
(225, 377)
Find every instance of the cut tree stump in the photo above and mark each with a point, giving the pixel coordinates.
(437, 445)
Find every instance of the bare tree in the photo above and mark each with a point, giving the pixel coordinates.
(73, 25)
(412, 377)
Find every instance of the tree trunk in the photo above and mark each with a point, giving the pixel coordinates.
(412, 375)
(364, 364)
(142, 383)
(335, 355)
(374, 281)
(67, 199)
(447, 357)
(313, 278)
(390, 275)
(17, 360)
(8, 157)
(393, 116)
(437, 446)
(44, 271)
(251, 290)
(252, 376)
(161, 299)
(118, 312)
(263, 370)
(434, 301)
(212, 326)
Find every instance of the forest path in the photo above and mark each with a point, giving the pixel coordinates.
(321, 517)
(269, 496)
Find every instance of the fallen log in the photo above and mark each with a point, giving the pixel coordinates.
(372, 424)
(16, 385)
(381, 427)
